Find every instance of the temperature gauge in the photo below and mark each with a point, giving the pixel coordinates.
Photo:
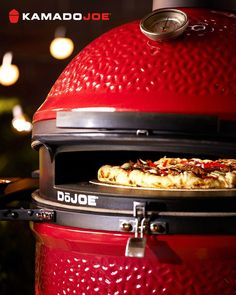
(164, 24)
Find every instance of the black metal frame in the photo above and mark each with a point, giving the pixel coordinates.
(154, 123)
(86, 133)
(220, 223)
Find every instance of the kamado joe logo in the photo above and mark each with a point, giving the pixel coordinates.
(15, 16)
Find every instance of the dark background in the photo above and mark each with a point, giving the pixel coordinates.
(29, 42)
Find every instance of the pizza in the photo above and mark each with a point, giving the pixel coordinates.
(175, 173)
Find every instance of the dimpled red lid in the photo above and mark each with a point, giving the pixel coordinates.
(125, 71)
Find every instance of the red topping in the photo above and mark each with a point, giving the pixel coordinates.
(164, 172)
(151, 164)
(214, 165)
(165, 163)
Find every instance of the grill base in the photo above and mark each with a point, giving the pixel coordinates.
(74, 261)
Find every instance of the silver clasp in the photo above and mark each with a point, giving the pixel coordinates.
(135, 246)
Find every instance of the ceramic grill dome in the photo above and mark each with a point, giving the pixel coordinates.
(123, 69)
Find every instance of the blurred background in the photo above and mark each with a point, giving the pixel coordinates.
(26, 45)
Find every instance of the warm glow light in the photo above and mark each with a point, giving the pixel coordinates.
(9, 73)
(61, 47)
(19, 121)
(22, 125)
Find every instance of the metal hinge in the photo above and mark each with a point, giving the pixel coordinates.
(42, 215)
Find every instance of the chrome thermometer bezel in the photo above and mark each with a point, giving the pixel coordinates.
(164, 15)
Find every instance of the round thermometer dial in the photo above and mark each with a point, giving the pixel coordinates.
(164, 24)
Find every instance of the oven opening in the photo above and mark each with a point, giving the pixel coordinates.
(82, 166)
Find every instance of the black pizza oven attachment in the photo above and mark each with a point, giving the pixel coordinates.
(72, 152)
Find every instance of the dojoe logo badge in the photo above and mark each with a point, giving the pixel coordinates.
(14, 16)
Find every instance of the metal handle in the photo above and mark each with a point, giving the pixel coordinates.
(135, 246)
(42, 215)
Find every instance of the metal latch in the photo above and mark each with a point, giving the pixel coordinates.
(41, 215)
(141, 132)
(135, 246)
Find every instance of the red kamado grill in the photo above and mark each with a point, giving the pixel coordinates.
(136, 92)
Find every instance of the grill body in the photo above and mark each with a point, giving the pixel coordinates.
(84, 251)
(76, 261)
(124, 72)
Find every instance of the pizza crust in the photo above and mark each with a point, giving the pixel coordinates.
(183, 180)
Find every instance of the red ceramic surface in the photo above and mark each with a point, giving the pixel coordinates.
(74, 261)
(124, 70)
